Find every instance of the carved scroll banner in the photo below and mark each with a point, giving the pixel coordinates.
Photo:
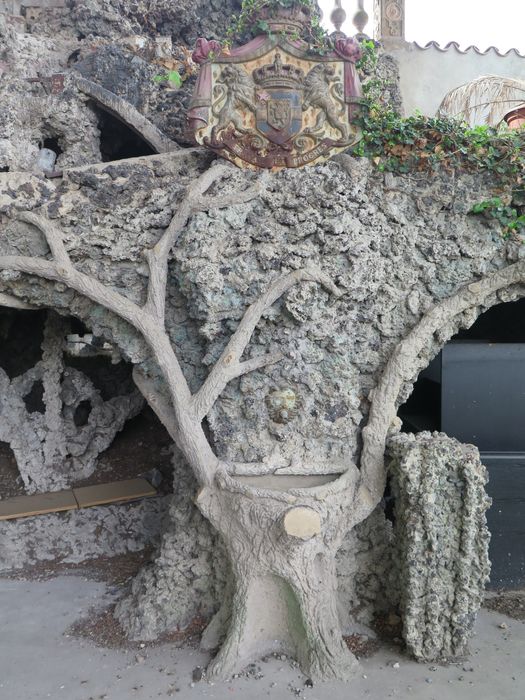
(271, 104)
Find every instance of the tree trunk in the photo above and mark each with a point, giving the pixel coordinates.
(282, 550)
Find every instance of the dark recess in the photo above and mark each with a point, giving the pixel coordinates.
(34, 400)
(82, 413)
(503, 323)
(109, 379)
(479, 396)
(21, 336)
(53, 143)
(118, 141)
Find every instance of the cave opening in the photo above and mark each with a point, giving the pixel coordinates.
(34, 399)
(53, 144)
(142, 446)
(21, 336)
(82, 413)
(476, 374)
(117, 140)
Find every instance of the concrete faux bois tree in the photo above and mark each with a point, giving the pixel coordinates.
(281, 532)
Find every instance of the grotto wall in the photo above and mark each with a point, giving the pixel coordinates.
(85, 82)
(123, 47)
(395, 245)
(51, 414)
(58, 68)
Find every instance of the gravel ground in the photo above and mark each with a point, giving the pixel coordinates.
(43, 657)
(510, 603)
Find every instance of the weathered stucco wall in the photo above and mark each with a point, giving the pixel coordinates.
(428, 73)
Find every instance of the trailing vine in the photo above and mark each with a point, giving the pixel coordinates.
(426, 144)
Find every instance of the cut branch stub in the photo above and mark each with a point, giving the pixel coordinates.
(302, 523)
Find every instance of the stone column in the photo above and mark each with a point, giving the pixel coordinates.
(389, 16)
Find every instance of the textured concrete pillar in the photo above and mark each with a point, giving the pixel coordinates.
(389, 16)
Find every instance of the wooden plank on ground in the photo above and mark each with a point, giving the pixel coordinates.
(115, 492)
(39, 504)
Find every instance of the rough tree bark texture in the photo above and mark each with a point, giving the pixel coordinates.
(282, 551)
(187, 581)
(441, 541)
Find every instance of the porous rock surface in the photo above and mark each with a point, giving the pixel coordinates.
(441, 541)
(186, 19)
(29, 111)
(395, 246)
(111, 42)
(187, 579)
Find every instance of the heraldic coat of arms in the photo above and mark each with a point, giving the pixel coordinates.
(272, 103)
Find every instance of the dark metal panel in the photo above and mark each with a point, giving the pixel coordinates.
(506, 520)
(483, 395)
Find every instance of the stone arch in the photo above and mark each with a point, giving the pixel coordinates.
(127, 114)
(12, 302)
(406, 362)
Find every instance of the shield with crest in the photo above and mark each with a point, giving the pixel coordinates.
(279, 116)
(271, 104)
(279, 113)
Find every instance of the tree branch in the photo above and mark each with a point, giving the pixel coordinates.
(53, 236)
(158, 401)
(258, 362)
(229, 365)
(192, 440)
(185, 421)
(157, 257)
(194, 201)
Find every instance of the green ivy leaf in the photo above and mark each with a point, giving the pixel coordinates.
(174, 77)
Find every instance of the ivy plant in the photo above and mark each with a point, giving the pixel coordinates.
(507, 216)
(173, 77)
(425, 144)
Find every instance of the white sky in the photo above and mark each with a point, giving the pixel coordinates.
(484, 23)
